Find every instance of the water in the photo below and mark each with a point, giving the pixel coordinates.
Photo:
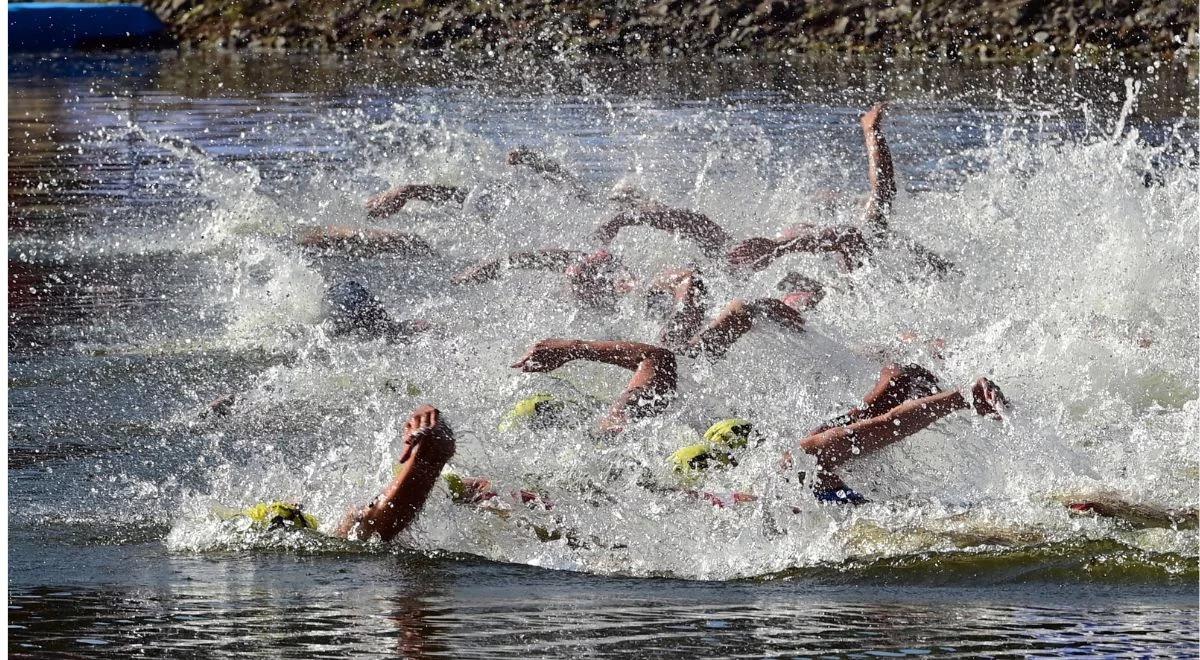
(149, 276)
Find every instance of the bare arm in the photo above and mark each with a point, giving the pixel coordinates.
(648, 392)
(845, 242)
(737, 319)
(390, 202)
(428, 444)
(552, 259)
(684, 223)
(879, 170)
(363, 242)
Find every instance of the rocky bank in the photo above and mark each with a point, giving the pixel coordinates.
(952, 29)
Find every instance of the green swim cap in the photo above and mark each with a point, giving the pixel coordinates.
(536, 411)
(458, 488)
(734, 433)
(277, 515)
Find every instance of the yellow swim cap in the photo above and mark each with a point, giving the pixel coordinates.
(734, 433)
(716, 450)
(700, 456)
(541, 409)
(275, 515)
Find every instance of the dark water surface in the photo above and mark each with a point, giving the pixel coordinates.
(107, 291)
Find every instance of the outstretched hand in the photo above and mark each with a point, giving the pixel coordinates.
(546, 356)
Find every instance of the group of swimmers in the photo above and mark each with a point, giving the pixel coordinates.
(904, 400)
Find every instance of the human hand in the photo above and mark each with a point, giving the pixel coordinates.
(546, 356)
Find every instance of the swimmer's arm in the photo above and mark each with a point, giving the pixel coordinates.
(879, 170)
(342, 237)
(648, 392)
(551, 259)
(691, 225)
(737, 319)
(847, 243)
(550, 354)
(390, 202)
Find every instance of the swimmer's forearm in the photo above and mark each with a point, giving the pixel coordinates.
(437, 193)
(387, 203)
(880, 170)
(627, 354)
(545, 259)
(694, 226)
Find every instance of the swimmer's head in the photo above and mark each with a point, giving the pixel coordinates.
(735, 433)
(280, 515)
(538, 411)
(721, 442)
(699, 457)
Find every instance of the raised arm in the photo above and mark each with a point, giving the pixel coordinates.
(684, 223)
(879, 170)
(390, 202)
(648, 393)
(552, 259)
(428, 445)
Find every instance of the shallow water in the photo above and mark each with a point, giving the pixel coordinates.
(149, 275)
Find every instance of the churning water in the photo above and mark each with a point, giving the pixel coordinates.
(155, 203)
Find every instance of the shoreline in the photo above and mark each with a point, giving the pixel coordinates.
(989, 31)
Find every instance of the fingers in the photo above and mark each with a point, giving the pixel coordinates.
(423, 420)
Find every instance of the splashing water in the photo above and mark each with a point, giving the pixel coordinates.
(1076, 243)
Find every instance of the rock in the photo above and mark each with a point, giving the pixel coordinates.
(988, 29)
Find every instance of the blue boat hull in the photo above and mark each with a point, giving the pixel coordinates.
(41, 26)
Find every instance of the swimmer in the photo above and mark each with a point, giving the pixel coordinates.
(428, 446)
(551, 169)
(850, 245)
(648, 393)
(352, 311)
(904, 401)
